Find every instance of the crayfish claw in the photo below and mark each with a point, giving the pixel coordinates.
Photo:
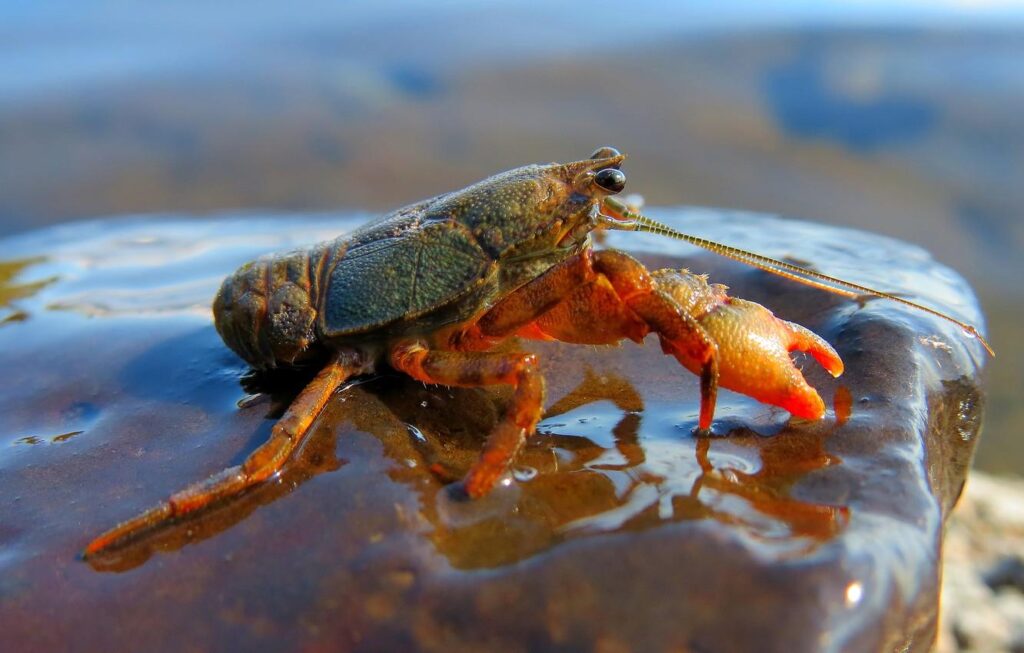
(803, 339)
(754, 356)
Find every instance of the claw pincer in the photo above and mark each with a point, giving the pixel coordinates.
(753, 345)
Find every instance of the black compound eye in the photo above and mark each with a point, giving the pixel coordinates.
(611, 180)
(605, 152)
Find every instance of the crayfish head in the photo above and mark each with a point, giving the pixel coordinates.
(586, 184)
(591, 180)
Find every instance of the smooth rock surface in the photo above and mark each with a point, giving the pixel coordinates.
(618, 530)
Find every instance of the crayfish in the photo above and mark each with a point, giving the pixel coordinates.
(430, 290)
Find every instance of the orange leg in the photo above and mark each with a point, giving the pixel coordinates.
(538, 296)
(287, 435)
(680, 333)
(601, 298)
(478, 369)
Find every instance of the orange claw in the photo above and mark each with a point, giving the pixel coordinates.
(754, 345)
(754, 356)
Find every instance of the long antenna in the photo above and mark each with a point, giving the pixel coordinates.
(635, 221)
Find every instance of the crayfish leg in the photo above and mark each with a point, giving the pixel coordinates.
(680, 333)
(286, 437)
(474, 369)
(618, 299)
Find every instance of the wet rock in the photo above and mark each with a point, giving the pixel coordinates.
(619, 529)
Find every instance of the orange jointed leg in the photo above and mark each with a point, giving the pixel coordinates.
(479, 369)
(608, 296)
(287, 435)
(601, 298)
(538, 296)
(681, 335)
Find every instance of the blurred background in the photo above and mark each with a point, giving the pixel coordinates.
(901, 118)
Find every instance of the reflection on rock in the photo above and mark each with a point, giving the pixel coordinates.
(584, 487)
(11, 290)
(575, 486)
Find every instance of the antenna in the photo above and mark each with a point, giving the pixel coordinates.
(631, 220)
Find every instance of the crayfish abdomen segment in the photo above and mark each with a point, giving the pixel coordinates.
(266, 311)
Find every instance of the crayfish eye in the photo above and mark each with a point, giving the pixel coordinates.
(605, 152)
(611, 180)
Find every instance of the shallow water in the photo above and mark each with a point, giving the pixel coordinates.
(124, 394)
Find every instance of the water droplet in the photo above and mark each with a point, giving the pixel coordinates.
(967, 421)
(854, 593)
(935, 343)
(249, 400)
(416, 433)
(524, 474)
(64, 437)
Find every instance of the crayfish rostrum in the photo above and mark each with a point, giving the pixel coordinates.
(430, 289)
